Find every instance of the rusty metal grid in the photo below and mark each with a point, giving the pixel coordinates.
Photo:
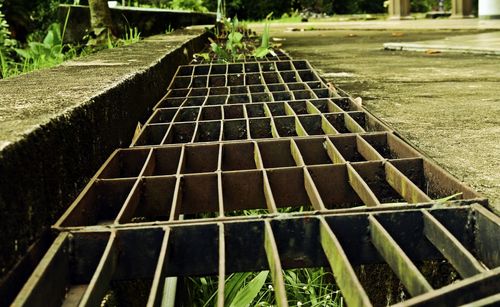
(80, 266)
(265, 166)
(304, 118)
(219, 180)
(264, 100)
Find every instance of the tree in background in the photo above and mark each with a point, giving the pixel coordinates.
(191, 5)
(101, 22)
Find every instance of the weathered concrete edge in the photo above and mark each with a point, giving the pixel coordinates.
(43, 172)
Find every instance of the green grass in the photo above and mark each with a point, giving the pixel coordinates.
(304, 287)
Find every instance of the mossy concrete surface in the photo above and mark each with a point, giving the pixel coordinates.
(57, 126)
(446, 104)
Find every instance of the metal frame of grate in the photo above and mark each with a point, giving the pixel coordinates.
(218, 180)
(80, 265)
(257, 166)
(268, 100)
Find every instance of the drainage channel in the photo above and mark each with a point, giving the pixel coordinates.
(263, 166)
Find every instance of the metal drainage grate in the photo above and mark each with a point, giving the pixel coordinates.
(223, 102)
(258, 166)
(80, 266)
(220, 180)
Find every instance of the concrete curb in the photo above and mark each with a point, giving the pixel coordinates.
(64, 122)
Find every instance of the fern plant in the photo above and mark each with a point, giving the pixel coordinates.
(43, 54)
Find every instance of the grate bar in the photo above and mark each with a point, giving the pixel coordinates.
(404, 186)
(49, 277)
(312, 191)
(222, 267)
(452, 249)
(366, 150)
(103, 275)
(275, 266)
(360, 186)
(487, 243)
(460, 293)
(493, 300)
(346, 278)
(400, 263)
(160, 280)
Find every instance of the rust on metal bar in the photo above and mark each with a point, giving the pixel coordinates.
(275, 266)
(346, 278)
(366, 150)
(400, 263)
(459, 293)
(159, 279)
(361, 188)
(404, 186)
(463, 261)
(312, 191)
(46, 285)
(103, 275)
(486, 241)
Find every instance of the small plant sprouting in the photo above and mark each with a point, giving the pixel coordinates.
(234, 47)
(264, 48)
(132, 36)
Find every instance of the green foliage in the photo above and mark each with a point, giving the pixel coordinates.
(29, 18)
(304, 287)
(234, 49)
(132, 36)
(422, 6)
(191, 5)
(265, 47)
(7, 45)
(246, 294)
(221, 10)
(312, 287)
(43, 54)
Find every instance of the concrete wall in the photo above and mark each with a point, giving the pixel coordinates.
(148, 21)
(59, 125)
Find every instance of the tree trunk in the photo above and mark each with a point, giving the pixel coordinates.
(100, 21)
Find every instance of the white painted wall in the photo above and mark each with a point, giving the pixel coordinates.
(489, 7)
